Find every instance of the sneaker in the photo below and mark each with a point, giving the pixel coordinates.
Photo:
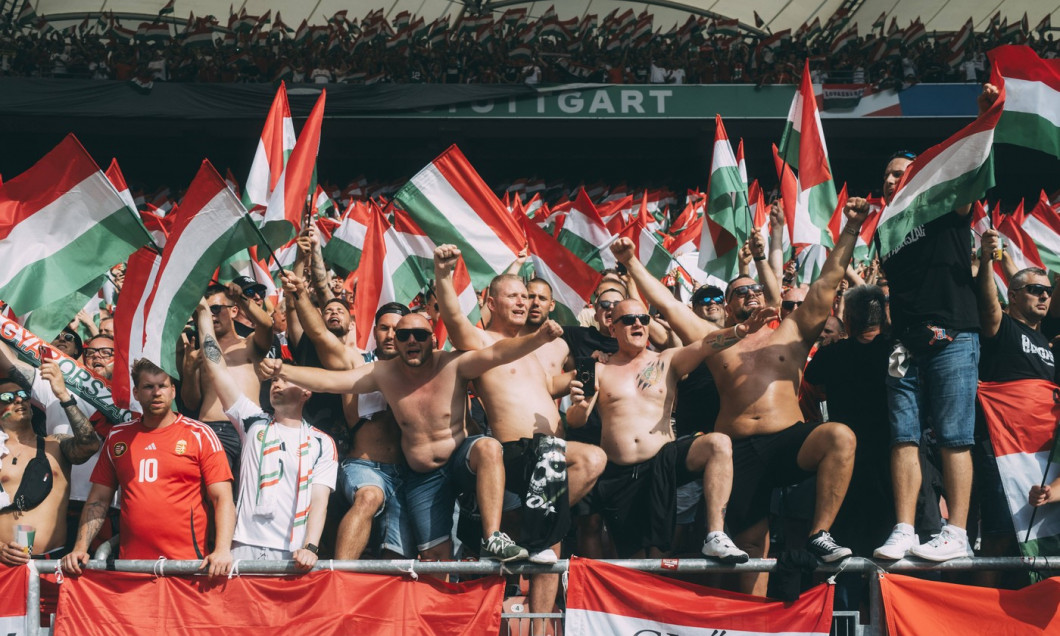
(501, 547)
(544, 557)
(822, 546)
(897, 545)
(946, 545)
(719, 546)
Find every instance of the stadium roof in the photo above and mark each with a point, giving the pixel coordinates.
(937, 15)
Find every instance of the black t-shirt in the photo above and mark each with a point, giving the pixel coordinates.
(698, 402)
(582, 341)
(853, 375)
(1017, 352)
(930, 276)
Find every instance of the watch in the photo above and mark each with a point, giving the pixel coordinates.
(68, 403)
(312, 547)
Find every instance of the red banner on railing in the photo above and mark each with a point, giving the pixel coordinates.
(14, 586)
(929, 608)
(317, 603)
(610, 599)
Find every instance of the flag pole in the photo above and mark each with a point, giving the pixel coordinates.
(261, 236)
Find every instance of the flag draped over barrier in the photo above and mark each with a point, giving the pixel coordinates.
(14, 587)
(609, 599)
(320, 603)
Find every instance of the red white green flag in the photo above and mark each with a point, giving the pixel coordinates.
(1020, 246)
(452, 203)
(211, 226)
(274, 147)
(571, 278)
(287, 201)
(608, 599)
(347, 242)
(650, 252)
(583, 233)
(1031, 85)
(141, 273)
(1043, 227)
(61, 221)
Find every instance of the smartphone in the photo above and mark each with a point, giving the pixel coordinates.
(585, 372)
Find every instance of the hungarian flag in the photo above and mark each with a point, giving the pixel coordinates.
(727, 190)
(916, 607)
(1021, 248)
(608, 599)
(571, 278)
(952, 174)
(1022, 417)
(210, 227)
(117, 179)
(62, 222)
(584, 231)
(450, 201)
(1043, 227)
(140, 278)
(347, 242)
(718, 250)
(14, 588)
(322, 602)
(647, 248)
(283, 215)
(802, 147)
(1031, 86)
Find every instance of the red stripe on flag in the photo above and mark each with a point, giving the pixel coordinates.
(133, 292)
(1026, 409)
(57, 173)
(1021, 62)
(370, 278)
(457, 170)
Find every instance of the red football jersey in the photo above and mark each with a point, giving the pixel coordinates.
(162, 474)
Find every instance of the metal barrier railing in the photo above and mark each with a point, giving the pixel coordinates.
(850, 620)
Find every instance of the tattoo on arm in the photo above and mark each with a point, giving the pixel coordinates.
(724, 338)
(651, 375)
(79, 447)
(92, 518)
(211, 349)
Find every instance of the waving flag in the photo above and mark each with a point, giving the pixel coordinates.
(1021, 248)
(572, 279)
(608, 599)
(450, 201)
(727, 190)
(1043, 227)
(62, 222)
(210, 227)
(1031, 85)
(583, 233)
(283, 215)
(649, 251)
(129, 321)
(347, 243)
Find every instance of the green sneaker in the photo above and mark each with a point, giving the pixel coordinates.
(501, 547)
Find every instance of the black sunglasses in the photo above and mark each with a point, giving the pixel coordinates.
(790, 304)
(217, 309)
(630, 319)
(10, 396)
(606, 304)
(1036, 290)
(420, 335)
(707, 300)
(744, 290)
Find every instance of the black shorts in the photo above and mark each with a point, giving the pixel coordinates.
(229, 438)
(639, 501)
(761, 463)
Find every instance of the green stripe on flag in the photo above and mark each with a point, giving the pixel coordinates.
(581, 248)
(342, 254)
(1029, 130)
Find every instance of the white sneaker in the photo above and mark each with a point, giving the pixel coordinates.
(719, 546)
(946, 545)
(897, 545)
(544, 557)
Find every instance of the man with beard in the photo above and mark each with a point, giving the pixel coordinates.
(372, 471)
(426, 389)
(757, 380)
(646, 464)
(241, 356)
(541, 304)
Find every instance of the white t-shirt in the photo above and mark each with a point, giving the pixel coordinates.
(276, 532)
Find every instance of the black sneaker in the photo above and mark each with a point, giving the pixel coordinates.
(822, 546)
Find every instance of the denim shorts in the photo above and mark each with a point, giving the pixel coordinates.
(938, 391)
(392, 520)
(431, 497)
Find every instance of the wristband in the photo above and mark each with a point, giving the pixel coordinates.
(312, 547)
(68, 403)
(760, 258)
(736, 331)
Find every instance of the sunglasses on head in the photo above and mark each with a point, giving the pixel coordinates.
(1037, 290)
(103, 352)
(9, 397)
(420, 335)
(606, 304)
(790, 304)
(744, 290)
(217, 309)
(710, 300)
(630, 319)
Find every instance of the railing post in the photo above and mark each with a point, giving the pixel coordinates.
(876, 605)
(33, 601)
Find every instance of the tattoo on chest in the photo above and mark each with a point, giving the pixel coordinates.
(211, 349)
(651, 375)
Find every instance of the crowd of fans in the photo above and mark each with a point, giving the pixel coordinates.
(508, 52)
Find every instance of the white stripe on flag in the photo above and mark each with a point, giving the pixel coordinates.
(1033, 98)
(1020, 471)
(1046, 239)
(580, 621)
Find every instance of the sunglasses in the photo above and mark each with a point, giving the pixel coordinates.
(744, 290)
(217, 309)
(420, 335)
(1037, 290)
(790, 304)
(65, 336)
(631, 319)
(10, 396)
(103, 352)
(606, 304)
(710, 300)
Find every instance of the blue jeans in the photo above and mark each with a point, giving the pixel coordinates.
(938, 391)
(431, 497)
(389, 478)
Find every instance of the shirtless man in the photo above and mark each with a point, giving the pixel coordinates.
(636, 390)
(372, 471)
(241, 355)
(757, 380)
(541, 304)
(519, 399)
(426, 389)
(35, 471)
